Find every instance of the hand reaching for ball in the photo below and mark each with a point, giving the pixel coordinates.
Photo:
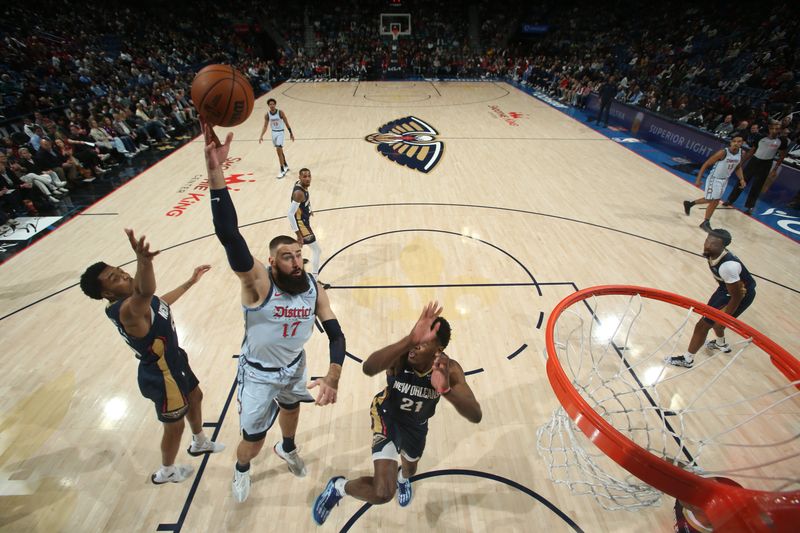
(216, 152)
(440, 377)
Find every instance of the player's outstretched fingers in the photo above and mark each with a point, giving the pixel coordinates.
(314, 384)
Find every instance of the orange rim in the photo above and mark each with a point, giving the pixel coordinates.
(727, 506)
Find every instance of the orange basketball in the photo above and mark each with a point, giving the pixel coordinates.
(222, 96)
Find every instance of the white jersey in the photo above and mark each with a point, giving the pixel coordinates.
(276, 331)
(723, 168)
(276, 122)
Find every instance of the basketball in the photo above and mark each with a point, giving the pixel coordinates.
(222, 96)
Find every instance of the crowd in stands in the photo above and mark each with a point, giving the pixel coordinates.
(719, 69)
(704, 66)
(92, 87)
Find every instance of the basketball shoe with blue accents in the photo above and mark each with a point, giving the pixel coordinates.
(404, 493)
(326, 501)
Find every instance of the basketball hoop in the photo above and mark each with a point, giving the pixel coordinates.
(660, 423)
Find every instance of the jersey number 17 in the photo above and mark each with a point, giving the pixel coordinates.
(292, 327)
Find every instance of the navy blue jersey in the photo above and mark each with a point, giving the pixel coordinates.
(161, 340)
(744, 276)
(410, 398)
(303, 213)
(164, 374)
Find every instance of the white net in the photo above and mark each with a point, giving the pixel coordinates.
(730, 414)
(574, 461)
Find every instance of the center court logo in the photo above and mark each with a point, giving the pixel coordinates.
(409, 142)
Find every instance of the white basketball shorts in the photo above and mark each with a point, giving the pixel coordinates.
(277, 139)
(715, 187)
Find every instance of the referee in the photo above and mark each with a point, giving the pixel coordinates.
(759, 164)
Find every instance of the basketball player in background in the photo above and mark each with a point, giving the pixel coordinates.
(418, 373)
(277, 122)
(759, 164)
(145, 322)
(725, 162)
(300, 214)
(281, 303)
(736, 291)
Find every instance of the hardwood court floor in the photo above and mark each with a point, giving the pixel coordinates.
(524, 205)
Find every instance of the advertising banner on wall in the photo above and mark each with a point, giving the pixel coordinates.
(689, 142)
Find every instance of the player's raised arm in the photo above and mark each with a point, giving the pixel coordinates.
(135, 310)
(448, 378)
(172, 296)
(251, 272)
(424, 330)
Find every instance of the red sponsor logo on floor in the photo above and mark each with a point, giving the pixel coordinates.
(194, 191)
(509, 118)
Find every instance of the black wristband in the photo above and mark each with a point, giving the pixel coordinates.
(337, 343)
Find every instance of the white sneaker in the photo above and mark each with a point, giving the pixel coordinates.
(179, 473)
(296, 464)
(679, 360)
(64, 190)
(53, 200)
(724, 348)
(209, 446)
(282, 174)
(240, 485)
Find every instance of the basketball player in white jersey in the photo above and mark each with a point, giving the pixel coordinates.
(725, 162)
(277, 122)
(281, 303)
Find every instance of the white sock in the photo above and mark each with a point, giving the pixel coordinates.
(720, 341)
(339, 486)
(689, 356)
(315, 260)
(167, 470)
(400, 478)
(199, 438)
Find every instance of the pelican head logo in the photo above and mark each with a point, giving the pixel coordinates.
(410, 142)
